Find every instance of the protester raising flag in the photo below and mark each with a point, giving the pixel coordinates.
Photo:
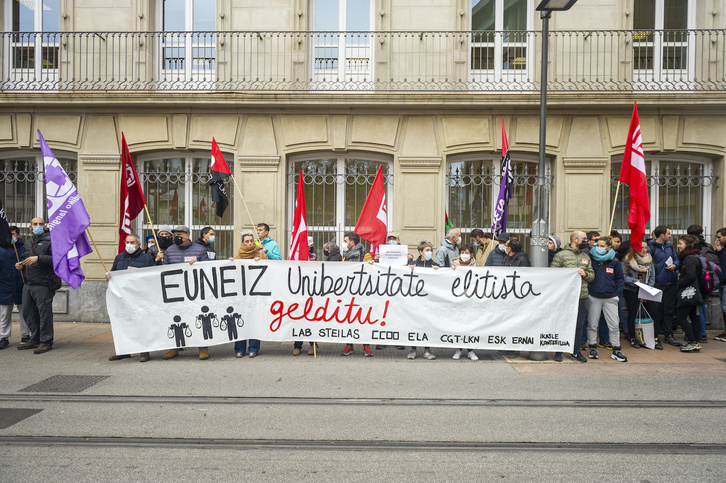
(219, 171)
(499, 217)
(132, 197)
(6, 238)
(373, 220)
(632, 173)
(67, 220)
(448, 225)
(299, 244)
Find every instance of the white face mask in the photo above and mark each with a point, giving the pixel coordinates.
(130, 248)
(502, 247)
(465, 257)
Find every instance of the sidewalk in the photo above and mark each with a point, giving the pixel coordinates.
(93, 342)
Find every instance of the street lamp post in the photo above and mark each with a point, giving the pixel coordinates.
(540, 225)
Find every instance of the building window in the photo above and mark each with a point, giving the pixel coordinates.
(22, 186)
(473, 184)
(680, 192)
(336, 188)
(500, 41)
(35, 54)
(176, 188)
(189, 42)
(342, 43)
(661, 40)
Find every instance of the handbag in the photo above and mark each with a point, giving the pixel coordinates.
(689, 296)
(644, 331)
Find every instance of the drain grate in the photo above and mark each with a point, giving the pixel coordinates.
(64, 383)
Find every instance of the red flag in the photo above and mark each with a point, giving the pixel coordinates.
(299, 244)
(373, 220)
(132, 197)
(632, 173)
(219, 170)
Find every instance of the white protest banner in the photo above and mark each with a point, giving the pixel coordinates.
(393, 254)
(216, 302)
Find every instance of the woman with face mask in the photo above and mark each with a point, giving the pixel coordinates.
(465, 258)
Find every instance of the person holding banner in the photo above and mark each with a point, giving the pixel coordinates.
(449, 248)
(572, 257)
(184, 251)
(249, 250)
(206, 238)
(355, 253)
(166, 239)
(41, 282)
(11, 289)
(132, 257)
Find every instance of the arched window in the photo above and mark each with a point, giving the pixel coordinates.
(680, 192)
(336, 187)
(473, 183)
(176, 188)
(22, 184)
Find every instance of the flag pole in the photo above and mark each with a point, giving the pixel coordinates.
(612, 217)
(18, 258)
(243, 201)
(153, 232)
(96, 248)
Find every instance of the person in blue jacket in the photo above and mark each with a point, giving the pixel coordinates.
(665, 261)
(604, 293)
(11, 289)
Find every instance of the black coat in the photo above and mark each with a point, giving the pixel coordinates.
(689, 271)
(11, 282)
(520, 259)
(138, 259)
(39, 273)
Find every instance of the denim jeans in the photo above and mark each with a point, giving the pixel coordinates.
(241, 345)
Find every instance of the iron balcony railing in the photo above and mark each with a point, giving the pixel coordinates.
(366, 62)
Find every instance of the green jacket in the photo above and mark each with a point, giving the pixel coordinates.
(574, 258)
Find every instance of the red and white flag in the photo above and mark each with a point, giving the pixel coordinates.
(372, 224)
(632, 173)
(299, 244)
(132, 197)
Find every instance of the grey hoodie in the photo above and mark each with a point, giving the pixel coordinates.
(355, 254)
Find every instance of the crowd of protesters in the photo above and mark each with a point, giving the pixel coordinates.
(609, 302)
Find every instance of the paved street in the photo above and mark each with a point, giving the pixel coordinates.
(71, 414)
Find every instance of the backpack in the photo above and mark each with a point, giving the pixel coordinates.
(711, 277)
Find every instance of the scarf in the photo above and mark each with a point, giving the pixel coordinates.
(250, 253)
(641, 263)
(609, 255)
(688, 251)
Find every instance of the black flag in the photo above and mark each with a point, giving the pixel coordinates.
(219, 171)
(6, 238)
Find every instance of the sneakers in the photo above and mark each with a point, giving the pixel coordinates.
(697, 346)
(703, 339)
(457, 354)
(558, 357)
(367, 351)
(311, 350)
(672, 341)
(429, 355)
(203, 354)
(28, 345)
(4, 343)
(239, 355)
(26, 338)
(472, 356)
(593, 352)
(42, 348)
(171, 354)
(252, 355)
(618, 356)
(721, 337)
(347, 350)
(606, 345)
(578, 356)
(688, 347)
(411, 354)
(634, 344)
(380, 347)
(658, 345)
(296, 351)
(144, 356)
(116, 357)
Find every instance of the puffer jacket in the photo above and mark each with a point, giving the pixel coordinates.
(178, 253)
(660, 254)
(39, 273)
(11, 282)
(496, 258)
(574, 258)
(519, 259)
(138, 259)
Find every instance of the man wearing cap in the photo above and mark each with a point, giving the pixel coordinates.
(498, 256)
(184, 251)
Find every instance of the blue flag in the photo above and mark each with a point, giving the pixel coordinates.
(499, 217)
(67, 220)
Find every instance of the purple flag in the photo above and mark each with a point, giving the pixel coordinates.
(499, 217)
(67, 220)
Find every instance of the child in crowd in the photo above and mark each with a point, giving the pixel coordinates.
(425, 259)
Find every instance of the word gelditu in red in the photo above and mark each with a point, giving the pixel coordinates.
(348, 313)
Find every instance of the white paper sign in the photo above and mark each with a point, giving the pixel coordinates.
(646, 292)
(216, 302)
(669, 261)
(393, 254)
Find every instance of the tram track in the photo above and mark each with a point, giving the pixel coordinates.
(343, 445)
(236, 400)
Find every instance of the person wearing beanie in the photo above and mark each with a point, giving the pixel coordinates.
(554, 245)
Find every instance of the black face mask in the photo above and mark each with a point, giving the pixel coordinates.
(584, 245)
(326, 253)
(178, 240)
(165, 242)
